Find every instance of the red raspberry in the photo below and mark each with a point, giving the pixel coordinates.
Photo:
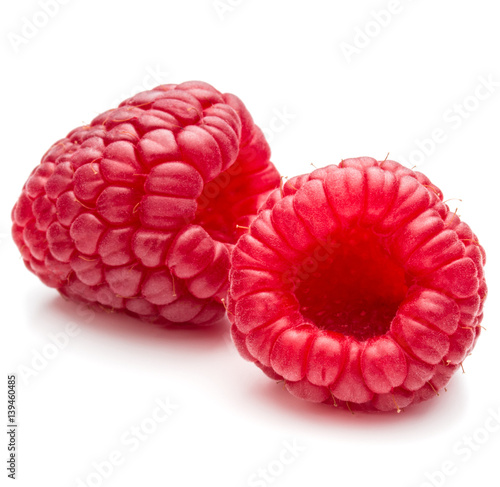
(138, 210)
(358, 287)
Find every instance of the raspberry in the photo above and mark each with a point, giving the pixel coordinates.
(138, 211)
(358, 287)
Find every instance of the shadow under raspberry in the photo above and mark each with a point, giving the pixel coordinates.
(421, 420)
(192, 338)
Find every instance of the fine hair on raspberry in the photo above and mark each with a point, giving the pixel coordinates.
(358, 287)
(139, 210)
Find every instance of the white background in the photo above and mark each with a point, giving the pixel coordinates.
(343, 95)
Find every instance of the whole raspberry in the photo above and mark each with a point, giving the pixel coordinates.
(358, 287)
(138, 211)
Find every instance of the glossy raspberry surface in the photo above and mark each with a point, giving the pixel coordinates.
(138, 211)
(358, 287)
